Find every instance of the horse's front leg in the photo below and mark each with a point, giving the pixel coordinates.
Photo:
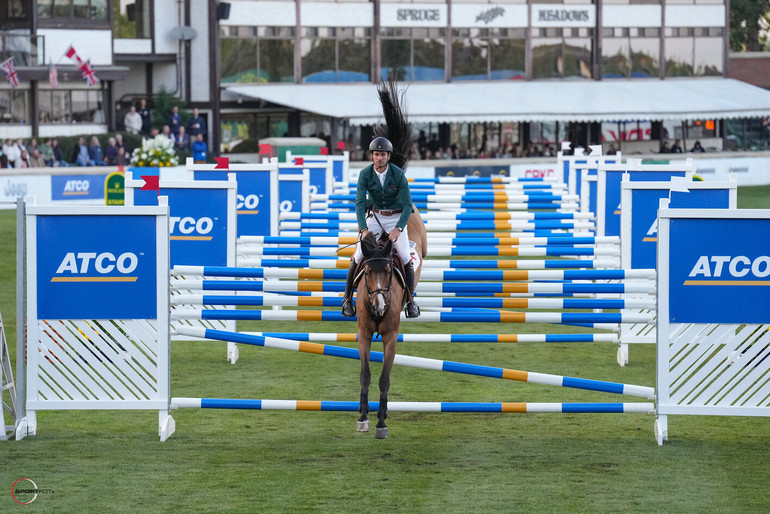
(389, 354)
(364, 346)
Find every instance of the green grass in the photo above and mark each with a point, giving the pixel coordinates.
(271, 461)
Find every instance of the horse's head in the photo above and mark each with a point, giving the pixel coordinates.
(378, 272)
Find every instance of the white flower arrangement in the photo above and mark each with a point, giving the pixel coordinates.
(155, 153)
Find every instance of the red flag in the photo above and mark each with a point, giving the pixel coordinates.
(340, 145)
(223, 163)
(264, 148)
(151, 183)
(299, 161)
(9, 70)
(70, 52)
(324, 150)
(53, 75)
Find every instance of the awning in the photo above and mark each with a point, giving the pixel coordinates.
(563, 100)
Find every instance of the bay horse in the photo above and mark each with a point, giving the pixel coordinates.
(380, 300)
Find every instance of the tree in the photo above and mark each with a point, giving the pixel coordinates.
(745, 19)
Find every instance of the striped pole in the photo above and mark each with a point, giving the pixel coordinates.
(467, 197)
(424, 363)
(448, 338)
(459, 407)
(450, 225)
(477, 288)
(441, 251)
(437, 241)
(528, 264)
(430, 274)
(452, 206)
(478, 216)
(597, 319)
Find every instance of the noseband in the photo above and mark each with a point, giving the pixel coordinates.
(385, 292)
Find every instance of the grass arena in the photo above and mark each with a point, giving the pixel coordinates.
(449, 447)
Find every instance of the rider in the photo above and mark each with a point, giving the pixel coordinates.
(390, 204)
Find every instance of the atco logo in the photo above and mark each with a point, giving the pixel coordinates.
(249, 203)
(191, 229)
(96, 267)
(724, 270)
(652, 233)
(76, 187)
(286, 206)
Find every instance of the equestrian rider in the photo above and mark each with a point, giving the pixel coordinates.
(389, 204)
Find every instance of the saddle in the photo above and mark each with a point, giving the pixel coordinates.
(398, 266)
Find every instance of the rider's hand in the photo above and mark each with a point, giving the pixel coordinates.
(363, 232)
(394, 234)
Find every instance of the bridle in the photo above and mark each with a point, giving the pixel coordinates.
(372, 293)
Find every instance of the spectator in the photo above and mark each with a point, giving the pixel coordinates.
(199, 149)
(197, 125)
(133, 121)
(169, 135)
(119, 114)
(32, 145)
(174, 121)
(58, 157)
(532, 151)
(3, 160)
(119, 143)
(154, 132)
(80, 154)
(697, 148)
(664, 148)
(122, 158)
(23, 160)
(47, 152)
(11, 153)
(182, 140)
(677, 148)
(144, 112)
(95, 152)
(111, 152)
(36, 160)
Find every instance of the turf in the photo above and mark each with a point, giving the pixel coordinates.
(271, 461)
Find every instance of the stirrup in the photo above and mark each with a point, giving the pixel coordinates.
(347, 308)
(412, 310)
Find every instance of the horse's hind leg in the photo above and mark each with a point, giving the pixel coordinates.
(389, 354)
(364, 345)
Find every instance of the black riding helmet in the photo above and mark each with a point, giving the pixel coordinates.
(381, 144)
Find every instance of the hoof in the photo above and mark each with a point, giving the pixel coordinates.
(380, 433)
(362, 426)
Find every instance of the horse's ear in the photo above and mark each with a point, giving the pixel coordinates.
(368, 243)
(388, 247)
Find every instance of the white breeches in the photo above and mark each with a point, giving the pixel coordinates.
(388, 223)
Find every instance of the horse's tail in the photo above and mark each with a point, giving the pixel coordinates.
(397, 128)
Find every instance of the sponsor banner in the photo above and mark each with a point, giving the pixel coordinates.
(563, 15)
(644, 217)
(115, 189)
(96, 267)
(489, 15)
(473, 171)
(719, 270)
(253, 203)
(291, 192)
(413, 15)
(15, 186)
(77, 187)
(534, 170)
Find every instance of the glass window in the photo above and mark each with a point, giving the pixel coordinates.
(62, 8)
(645, 57)
(396, 57)
(13, 106)
(428, 60)
(61, 111)
(82, 9)
(507, 59)
(276, 60)
(709, 54)
(318, 60)
(577, 58)
(679, 57)
(616, 58)
(546, 58)
(66, 106)
(239, 61)
(131, 19)
(469, 59)
(45, 8)
(354, 60)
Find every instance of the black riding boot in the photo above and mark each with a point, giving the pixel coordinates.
(347, 302)
(412, 309)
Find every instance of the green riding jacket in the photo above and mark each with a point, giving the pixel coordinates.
(394, 196)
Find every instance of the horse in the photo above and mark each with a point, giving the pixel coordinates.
(380, 300)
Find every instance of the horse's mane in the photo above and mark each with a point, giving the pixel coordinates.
(397, 128)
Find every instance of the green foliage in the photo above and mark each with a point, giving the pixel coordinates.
(121, 26)
(745, 16)
(162, 106)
